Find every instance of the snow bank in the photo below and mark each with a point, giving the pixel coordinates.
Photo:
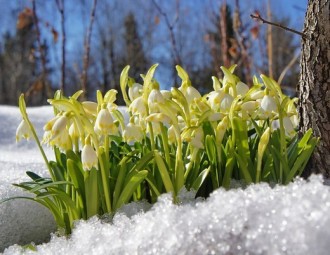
(294, 219)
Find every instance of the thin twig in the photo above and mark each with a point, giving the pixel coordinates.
(60, 7)
(87, 48)
(286, 69)
(170, 27)
(258, 17)
(45, 89)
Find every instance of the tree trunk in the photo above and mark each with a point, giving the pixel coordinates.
(314, 86)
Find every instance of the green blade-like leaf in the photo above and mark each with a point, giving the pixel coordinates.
(34, 176)
(244, 169)
(130, 188)
(163, 172)
(50, 185)
(92, 196)
(182, 73)
(200, 179)
(76, 176)
(123, 84)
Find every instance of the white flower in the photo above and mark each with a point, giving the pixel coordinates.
(59, 126)
(155, 98)
(214, 99)
(138, 107)
(132, 133)
(89, 157)
(155, 128)
(46, 137)
(159, 117)
(257, 94)
(249, 106)
(242, 88)
(190, 93)
(198, 138)
(268, 105)
(135, 91)
(220, 130)
(23, 131)
(216, 116)
(287, 124)
(226, 102)
(49, 125)
(62, 141)
(104, 123)
(73, 131)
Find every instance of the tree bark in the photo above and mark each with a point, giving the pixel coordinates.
(314, 86)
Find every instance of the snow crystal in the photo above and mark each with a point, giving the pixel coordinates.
(259, 219)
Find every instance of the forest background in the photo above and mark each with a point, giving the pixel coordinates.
(69, 45)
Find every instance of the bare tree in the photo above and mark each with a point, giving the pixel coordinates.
(314, 86)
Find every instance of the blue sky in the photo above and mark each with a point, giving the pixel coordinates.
(78, 17)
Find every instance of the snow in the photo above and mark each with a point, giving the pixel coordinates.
(293, 219)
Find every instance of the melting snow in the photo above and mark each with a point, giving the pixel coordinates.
(294, 219)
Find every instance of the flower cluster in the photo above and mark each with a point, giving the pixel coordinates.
(173, 139)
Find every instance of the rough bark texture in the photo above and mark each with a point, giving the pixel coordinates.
(314, 86)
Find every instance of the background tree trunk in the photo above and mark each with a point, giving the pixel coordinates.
(314, 86)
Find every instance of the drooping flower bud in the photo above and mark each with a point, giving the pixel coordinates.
(226, 103)
(264, 139)
(59, 126)
(155, 98)
(190, 93)
(23, 131)
(104, 123)
(221, 130)
(242, 88)
(135, 91)
(198, 138)
(268, 105)
(89, 157)
(132, 133)
(138, 107)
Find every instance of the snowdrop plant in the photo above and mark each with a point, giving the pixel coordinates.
(174, 139)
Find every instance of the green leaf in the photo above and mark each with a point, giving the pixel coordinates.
(228, 75)
(50, 185)
(302, 160)
(92, 196)
(76, 176)
(216, 83)
(229, 164)
(182, 73)
(200, 179)
(65, 199)
(163, 172)
(120, 179)
(130, 188)
(242, 143)
(77, 94)
(147, 84)
(210, 149)
(34, 176)
(123, 84)
(244, 169)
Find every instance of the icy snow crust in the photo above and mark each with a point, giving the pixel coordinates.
(257, 220)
